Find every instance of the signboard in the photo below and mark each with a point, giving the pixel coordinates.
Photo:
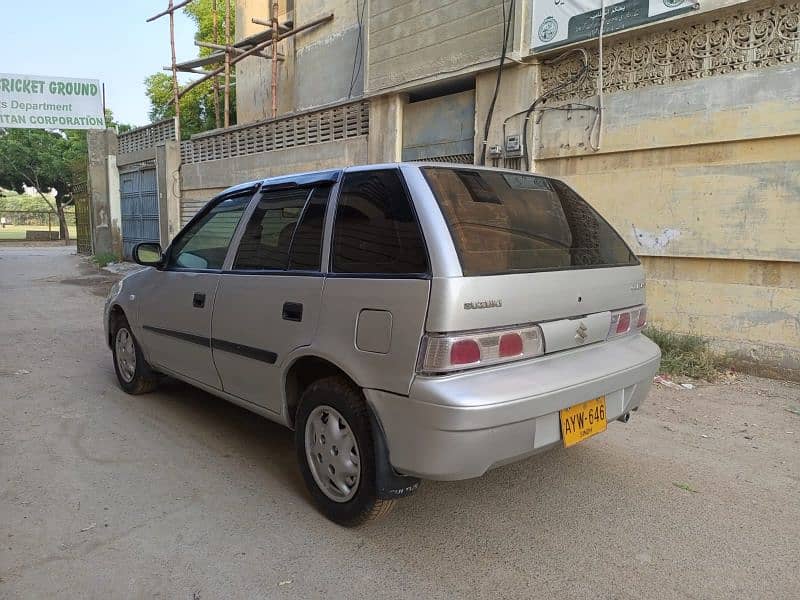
(34, 102)
(560, 22)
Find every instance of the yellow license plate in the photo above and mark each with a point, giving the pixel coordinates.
(583, 421)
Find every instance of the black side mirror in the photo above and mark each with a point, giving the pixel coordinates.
(148, 254)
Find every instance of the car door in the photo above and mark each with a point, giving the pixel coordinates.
(268, 303)
(378, 283)
(175, 306)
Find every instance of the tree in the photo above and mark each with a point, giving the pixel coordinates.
(197, 106)
(113, 124)
(43, 159)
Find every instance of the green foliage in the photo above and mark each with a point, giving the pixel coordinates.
(197, 106)
(101, 259)
(112, 124)
(12, 201)
(42, 158)
(682, 354)
(201, 12)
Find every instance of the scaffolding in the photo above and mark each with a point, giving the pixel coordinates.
(217, 65)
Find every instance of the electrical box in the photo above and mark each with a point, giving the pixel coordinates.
(513, 146)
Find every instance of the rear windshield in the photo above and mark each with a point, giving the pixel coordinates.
(508, 222)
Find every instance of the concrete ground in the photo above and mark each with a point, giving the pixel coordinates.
(177, 494)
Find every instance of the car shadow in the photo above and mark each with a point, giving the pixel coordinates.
(230, 430)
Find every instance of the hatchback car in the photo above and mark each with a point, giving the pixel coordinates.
(407, 321)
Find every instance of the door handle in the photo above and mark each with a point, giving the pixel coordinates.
(198, 300)
(292, 311)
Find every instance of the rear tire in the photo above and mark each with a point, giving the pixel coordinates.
(336, 454)
(135, 376)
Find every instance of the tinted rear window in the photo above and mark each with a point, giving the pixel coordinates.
(508, 222)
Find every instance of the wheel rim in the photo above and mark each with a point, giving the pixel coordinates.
(332, 453)
(126, 355)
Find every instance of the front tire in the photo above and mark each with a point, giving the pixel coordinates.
(336, 453)
(135, 376)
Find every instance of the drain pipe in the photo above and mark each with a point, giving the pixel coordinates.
(600, 103)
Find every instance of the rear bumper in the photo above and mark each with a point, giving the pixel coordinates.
(460, 426)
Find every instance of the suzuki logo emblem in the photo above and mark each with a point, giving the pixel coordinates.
(581, 333)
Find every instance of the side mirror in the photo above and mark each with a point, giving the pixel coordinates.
(148, 254)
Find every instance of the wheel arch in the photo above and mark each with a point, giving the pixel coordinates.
(301, 373)
(115, 314)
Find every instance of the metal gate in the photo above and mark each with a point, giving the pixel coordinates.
(83, 218)
(139, 205)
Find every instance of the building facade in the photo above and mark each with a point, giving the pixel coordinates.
(689, 143)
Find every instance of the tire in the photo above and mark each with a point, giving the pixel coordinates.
(135, 376)
(354, 501)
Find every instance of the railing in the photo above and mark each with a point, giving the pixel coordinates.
(326, 125)
(147, 136)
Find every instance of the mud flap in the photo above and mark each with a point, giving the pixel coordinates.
(388, 483)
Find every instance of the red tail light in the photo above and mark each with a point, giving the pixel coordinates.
(511, 345)
(464, 352)
(628, 320)
(624, 323)
(443, 353)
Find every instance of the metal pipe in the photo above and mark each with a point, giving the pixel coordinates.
(217, 119)
(258, 48)
(274, 82)
(227, 64)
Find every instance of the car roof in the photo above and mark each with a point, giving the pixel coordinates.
(332, 175)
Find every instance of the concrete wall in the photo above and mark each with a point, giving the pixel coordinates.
(318, 66)
(702, 177)
(201, 181)
(103, 192)
(412, 40)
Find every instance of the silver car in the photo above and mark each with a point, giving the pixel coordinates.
(407, 321)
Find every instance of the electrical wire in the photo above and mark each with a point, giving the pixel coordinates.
(504, 49)
(358, 57)
(577, 79)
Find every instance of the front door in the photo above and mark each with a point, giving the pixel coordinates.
(176, 306)
(268, 304)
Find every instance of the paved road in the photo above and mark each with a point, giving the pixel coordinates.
(180, 495)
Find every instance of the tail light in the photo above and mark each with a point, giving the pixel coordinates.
(444, 353)
(629, 320)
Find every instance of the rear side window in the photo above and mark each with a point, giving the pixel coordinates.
(268, 235)
(508, 222)
(376, 230)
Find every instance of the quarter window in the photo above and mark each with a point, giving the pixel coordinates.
(375, 229)
(204, 244)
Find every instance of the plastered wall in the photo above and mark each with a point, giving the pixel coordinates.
(702, 177)
(318, 65)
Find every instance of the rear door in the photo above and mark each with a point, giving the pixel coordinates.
(268, 303)
(376, 290)
(531, 250)
(175, 306)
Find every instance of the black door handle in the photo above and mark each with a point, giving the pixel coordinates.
(293, 311)
(198, 300)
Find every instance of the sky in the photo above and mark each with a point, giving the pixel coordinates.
(109, 41)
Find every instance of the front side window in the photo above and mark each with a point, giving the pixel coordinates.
(204, 244)
(376, 230)
(285, 231)
(508, 222)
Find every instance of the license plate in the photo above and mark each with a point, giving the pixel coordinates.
(583, 421)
